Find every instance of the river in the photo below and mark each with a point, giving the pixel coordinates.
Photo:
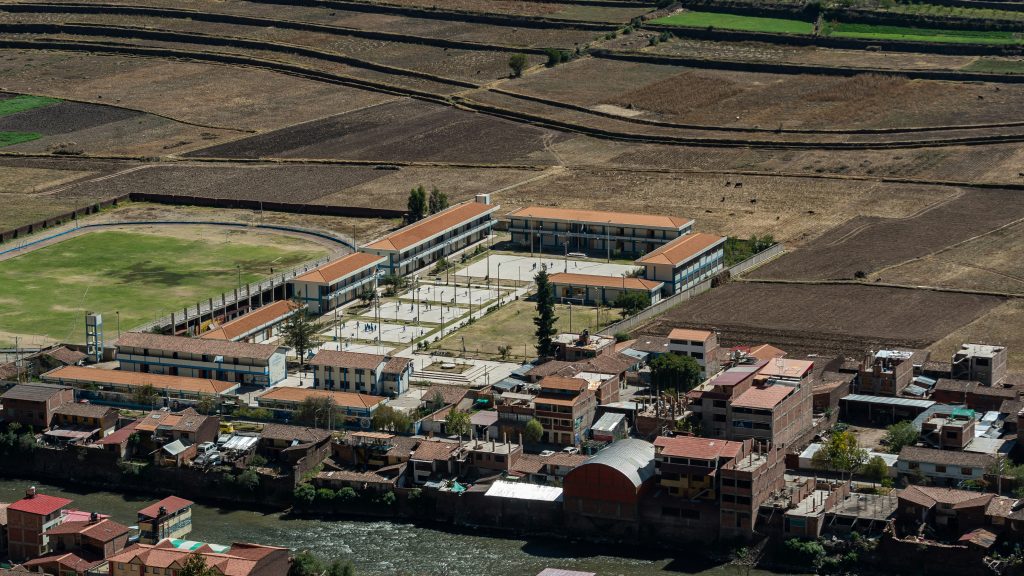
(384, 548)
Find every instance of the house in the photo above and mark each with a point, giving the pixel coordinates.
(336, 283)
(942, 467)
(290, 444)
(169, 556)
(944, 509)
(549, 469)
(121, 387)
(949, 429)
(350, 408)
(576, 347)
(973, 394)
(79, 422)
(435, 459)
(610, 427)
(378, 481)
(168, 518)
(488, 457)
(980, 362)
(257, 326)
(437, 236)
(769, 401)
(701, 345)
(119, 441)
(28, 520)
(887, 372)
(565, 409)
(76, 543)
(596, 290)
(608, 234)
(685, 262)
(609, 484)
(33, 405)
(361, 372)
(242, 362)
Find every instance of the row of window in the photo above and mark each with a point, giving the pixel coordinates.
(751, 425)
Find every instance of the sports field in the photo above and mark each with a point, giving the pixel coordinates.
(736, 22)
(143, 275)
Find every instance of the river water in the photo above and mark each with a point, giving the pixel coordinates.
(384, 548)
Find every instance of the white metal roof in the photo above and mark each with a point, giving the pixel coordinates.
(521, 491)
(889, 401)
(608, 422)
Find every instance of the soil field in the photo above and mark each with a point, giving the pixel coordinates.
(761, 205)
(746, 99)
(207, 94)
(65, 117)
(994, 261)
(548, 9)
(826, 319)
(866, 244)
(1000, 326)
(31, 180)
(406, 130)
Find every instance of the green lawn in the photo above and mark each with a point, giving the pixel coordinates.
(24, 102)
(512, 325)
(142, 275)
(11, 138)
(873, 32)
(736, 22)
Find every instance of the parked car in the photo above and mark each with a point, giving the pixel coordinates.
(209, 459)
(571, 450)
(547, 453)
(206, 448)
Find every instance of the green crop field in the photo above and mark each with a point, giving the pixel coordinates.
(10, 138)
(142, 275)
(872, 32)
(736, 22)
(24, 102)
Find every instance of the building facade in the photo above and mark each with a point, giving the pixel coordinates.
(701, 345)
(257, 326)
(241, 362)
(980, 362)
(336, 283)
(595, 290)
(565, 408)
(28, 520)
(685, 262)
(33, 405)
(121, 388)
(168, 518)
(360, 372)
(609, 234)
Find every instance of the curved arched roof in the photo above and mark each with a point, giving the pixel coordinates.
(633, 458)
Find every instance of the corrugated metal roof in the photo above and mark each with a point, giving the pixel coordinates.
(503, 489)
(888, 400)
(608, 422)
(633, 458)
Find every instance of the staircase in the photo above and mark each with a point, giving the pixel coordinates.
(466, 378)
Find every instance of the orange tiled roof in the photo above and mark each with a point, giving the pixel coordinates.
(246, 323)
(417, 232)
(687, 334)
(604, 281)
(430, 450)
(697, 448)
(764, 398)
(341, 399)
(681, 249)
(343, 359)
(563, 383)
(135, 379)
(601, 217)
(337, 269)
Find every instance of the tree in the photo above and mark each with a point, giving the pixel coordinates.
(675, 372)
(841, 453)
(518, 62)
(632, 303)
(899, 435)
(534, 431)
(393, 284)
(339, 568)
(302, 332)
(325, 495)
(248, 479)
(367, 296)
(417, 205)
(876, 469)
(388, 419)
(205, 405)
(304, 493)
(545, 320)
(195, 565)
(316, 411)
(457, 423)
(146, 395)
(305, 564)
(438, 201)
(505, 350)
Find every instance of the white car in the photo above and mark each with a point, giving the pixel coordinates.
(206, 448)
(571, 450)
(208, 459)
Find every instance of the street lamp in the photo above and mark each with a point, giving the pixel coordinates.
(117, 314)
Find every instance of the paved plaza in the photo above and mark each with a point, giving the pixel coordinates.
(516, 267)
(429, 312)
(365, 330)
(453, 295)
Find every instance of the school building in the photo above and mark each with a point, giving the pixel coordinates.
(336, 283)
(242, 362)
(350, 408)
(120, 387)
(685, 262)
(590, 231)
(258, 326)
(592, 289)
(360, 372)
(437, 236)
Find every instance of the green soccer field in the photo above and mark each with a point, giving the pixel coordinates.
(142, 275)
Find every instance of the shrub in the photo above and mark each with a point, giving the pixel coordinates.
(304, 494)
(347, 494)
(518, 63)
(325, 495)
(249, 480)
(621, 336)
(386, 499)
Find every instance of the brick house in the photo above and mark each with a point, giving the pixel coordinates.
(28, 520)
(33, 405)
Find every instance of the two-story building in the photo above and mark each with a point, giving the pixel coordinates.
(361, 372)
(597, 290)
(437, 236)
(33, 405)
(79, 546)
(242, 362)
(436, 459)
(351, 409)
(701, 345)
(886, 373)
(942, 467)
(122, 387)
(565, 408)
(168, 557)
(78, 421)
(981, 362)
(258, 326)
(28, 520)
(336, 283)
(610, 234)
(685, 262)
(168, 518)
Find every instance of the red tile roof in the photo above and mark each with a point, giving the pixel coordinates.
(247, 323)
(119, 436)
(696, 448)
(682, 249)
(433, 225)
(764, 398)
(341, 359)
(171, 503)
(431, 450)
(338, 269)
(40, 504)
(81, 374)
(563, 383)
(604, 281)
(689, 334)
(103, 530)
(600, 217)
(341, 399)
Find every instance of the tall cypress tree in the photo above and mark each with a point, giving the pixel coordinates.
(545, 320)
(417, 204)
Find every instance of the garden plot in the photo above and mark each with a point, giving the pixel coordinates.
(429, 312)
(516, 267)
